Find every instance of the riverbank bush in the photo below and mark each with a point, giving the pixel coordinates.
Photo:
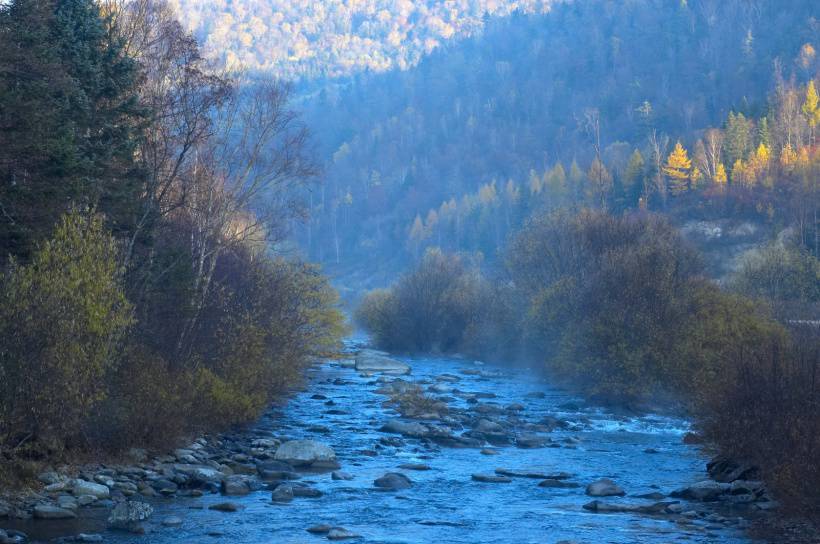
(764, 408)
(436, 307)
(62, 317)
(620, 308)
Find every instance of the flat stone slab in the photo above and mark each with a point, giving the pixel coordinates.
(369, 361)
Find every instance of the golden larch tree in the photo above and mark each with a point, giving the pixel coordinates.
(678, 169)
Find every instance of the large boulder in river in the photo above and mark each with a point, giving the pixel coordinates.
(98, 491)
(605, 488)
(49, 511)
(306, 453)
(371, 361)
(705, 491)
(393, 481)
(727, 470)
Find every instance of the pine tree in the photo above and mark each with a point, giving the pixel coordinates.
(738, 137)
(678, 169)
(70, 119)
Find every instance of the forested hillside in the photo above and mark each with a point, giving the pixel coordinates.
(461, 138)
(303, 40)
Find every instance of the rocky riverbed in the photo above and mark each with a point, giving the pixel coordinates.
(427, 450)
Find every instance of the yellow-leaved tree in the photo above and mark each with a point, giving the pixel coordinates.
(678, 169)
(811, 107)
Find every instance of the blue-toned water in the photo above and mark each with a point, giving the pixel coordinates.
(444, 505)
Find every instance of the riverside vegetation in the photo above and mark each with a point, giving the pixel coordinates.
(141, 190)
(618, 306)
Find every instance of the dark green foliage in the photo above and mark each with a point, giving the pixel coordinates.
(69, 120)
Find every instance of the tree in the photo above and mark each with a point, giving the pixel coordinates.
(738, 137)
(600, 182)
(62, 317)
(811, 107)
(678, 169)
(634, 175)
(720, 176)
(557, 182)
(70, 122)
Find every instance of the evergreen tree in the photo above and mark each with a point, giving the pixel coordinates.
(678, 169)
(738, 137)
(69, 119)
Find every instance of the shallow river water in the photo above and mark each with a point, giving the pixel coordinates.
(444, 505)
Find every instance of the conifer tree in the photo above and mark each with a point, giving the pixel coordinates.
(70, 119)
(678, 169)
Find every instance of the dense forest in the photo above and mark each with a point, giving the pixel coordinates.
(590, 98)
(140, 191)
(307, 41)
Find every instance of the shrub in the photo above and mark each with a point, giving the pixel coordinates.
(61, 319)
(764, 408)
(608, 297)
(429, 309)
(786, 277)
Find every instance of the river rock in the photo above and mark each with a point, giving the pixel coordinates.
(414, 466)
(82, 487)
(705, 491)
(68, 502)
(225, 507)
(531, 441)
(199, 474)
(51, 477)
(283, 493)
(236, 485)
(172, 521)
(491, 478)
(305, 492)
(49, 511)
(127, 516)
(393, 481)
(306, 453)
(531, 474)
(609, 508)
(604, 488)
(321, 529)
(339, 475)
(557, 484)
(405, 428)
(340, 533)
(726, 470)
(370, 361)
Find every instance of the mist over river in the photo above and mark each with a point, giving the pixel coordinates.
(444, 504)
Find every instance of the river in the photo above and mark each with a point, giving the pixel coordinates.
(643, 454)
